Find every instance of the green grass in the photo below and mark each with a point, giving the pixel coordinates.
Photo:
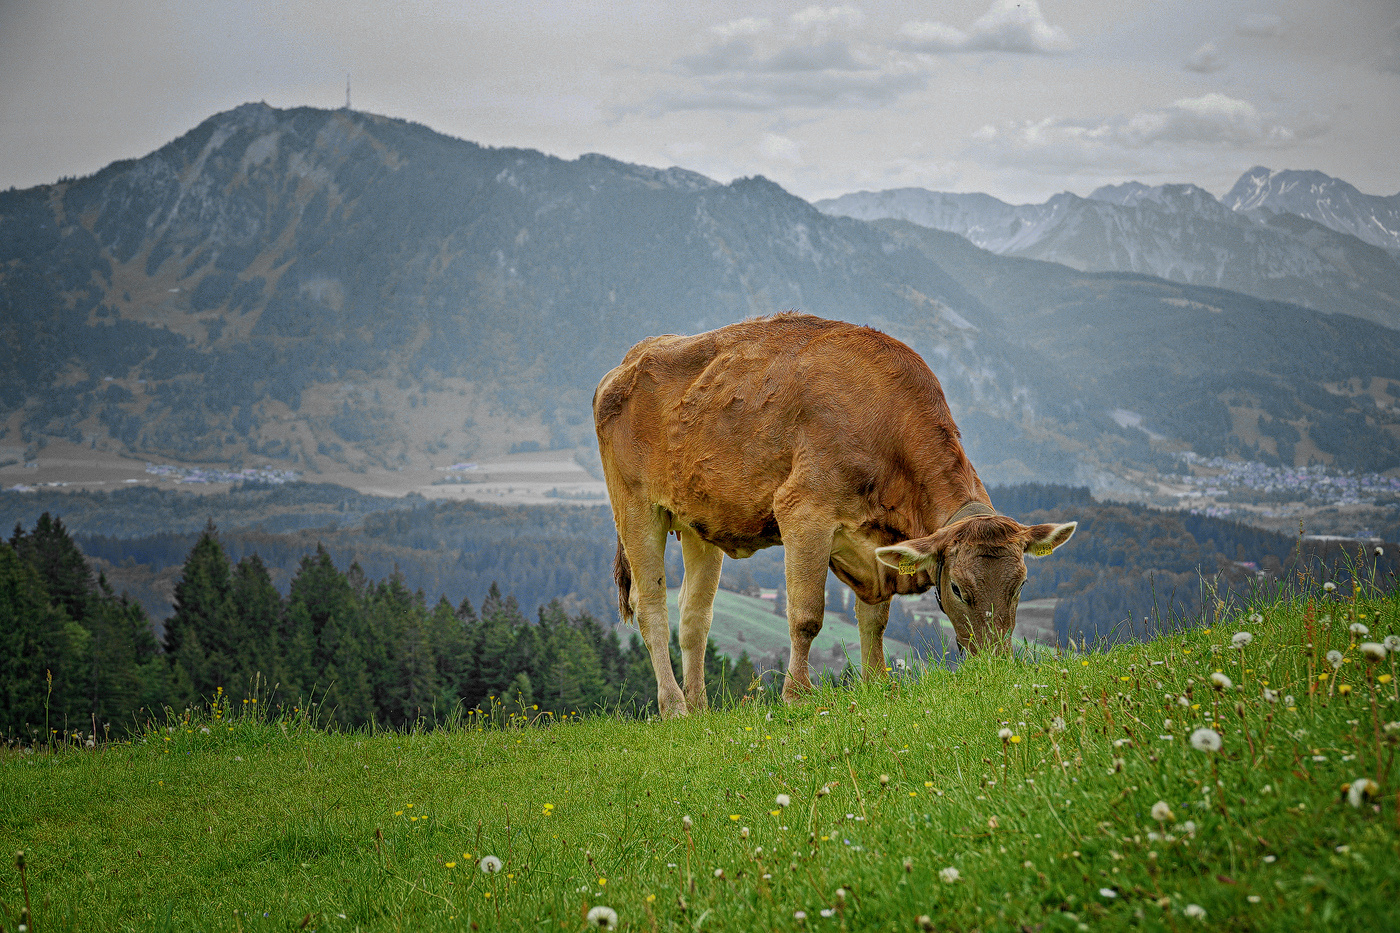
(263, 824)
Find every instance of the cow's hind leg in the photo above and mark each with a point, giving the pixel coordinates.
(871, 620)
(697, 603)
(643, 536)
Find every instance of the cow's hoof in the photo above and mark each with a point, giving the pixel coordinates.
(795, 691)
(673, 707)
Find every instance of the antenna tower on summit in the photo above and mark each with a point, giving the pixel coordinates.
(347, 90)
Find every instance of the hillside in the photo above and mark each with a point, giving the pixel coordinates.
(1006, 795)
(361, 299)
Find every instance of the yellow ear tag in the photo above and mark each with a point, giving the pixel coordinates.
(1041, 550)
(907, 565)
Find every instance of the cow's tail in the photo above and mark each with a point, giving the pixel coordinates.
(622, 573)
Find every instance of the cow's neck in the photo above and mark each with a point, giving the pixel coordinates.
(953, 494)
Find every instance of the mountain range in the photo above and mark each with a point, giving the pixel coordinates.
(334, 290)
(1299, 237)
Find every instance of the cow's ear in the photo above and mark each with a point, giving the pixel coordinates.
(910, 556)
(1045, 538)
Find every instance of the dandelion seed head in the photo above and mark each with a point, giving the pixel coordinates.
(489, 864)
(1162, 811)
(1334, 658)
(1205, 740)
(1392, 643)
(1358, 629)
(1240, 639)
(1220, 682)
(1108, 893)
(604, 918)
(1004, 734)
(949, 874)
(1196, 911)
(1328, 587)
(1373, 651)
(782, 800)
(1361, 790)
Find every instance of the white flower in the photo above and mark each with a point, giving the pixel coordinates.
(1161, 811)
(743, 832)
(602, 917)
(949, 874)
(1392, 643)
(1220, 681)
(1360, 790)
(1108, 893)
(828, 912)
(1334, 658)
(1358, 629)
(719, 872)
(489, 864)
(1196, 911)
(782, 800)
(1328, 587)
(1373, 651)
(1240, 639)
(1004, 734)
(1205, 740)
(799, 915)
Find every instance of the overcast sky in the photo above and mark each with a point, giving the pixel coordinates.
(1017, 99)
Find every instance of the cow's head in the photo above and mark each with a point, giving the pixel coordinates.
(982, 568)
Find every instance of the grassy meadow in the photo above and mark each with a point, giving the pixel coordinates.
(1057, 792)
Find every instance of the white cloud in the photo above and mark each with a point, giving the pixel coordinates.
(747, 26)
(1135, 141)
(1205, 60)
(815, 16)
(1009, 26)
(1260, 25)
(776, 146)
(756, 66)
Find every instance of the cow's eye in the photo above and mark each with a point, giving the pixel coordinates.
(957, 592)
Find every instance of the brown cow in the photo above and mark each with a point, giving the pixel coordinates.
(830, 439)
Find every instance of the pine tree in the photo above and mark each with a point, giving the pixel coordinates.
(328, 644)
(257, 606)
(203, 634)
(450, 635)
(60, 565)
(408, 686)
(121, 650)
(41, 655)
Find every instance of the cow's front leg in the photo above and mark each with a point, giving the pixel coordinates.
(871, 619)
(806, 554)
